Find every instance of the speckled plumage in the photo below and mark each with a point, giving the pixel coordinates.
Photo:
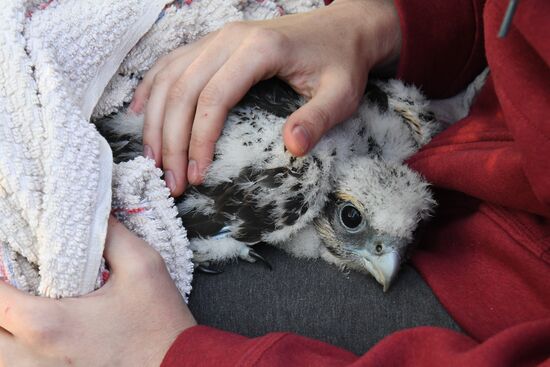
(255, 191)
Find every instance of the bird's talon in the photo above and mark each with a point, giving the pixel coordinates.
(257, 256)
(208, 269)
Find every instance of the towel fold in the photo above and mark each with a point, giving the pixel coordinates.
(61, 63)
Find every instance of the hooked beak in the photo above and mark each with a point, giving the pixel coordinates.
(385, 268)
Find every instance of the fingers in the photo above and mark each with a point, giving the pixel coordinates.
(243, 69)
(155, 89)
(117, 243)
(190, 94)
(331, 104)
(181, 102)
(143, 90)
(129, 256)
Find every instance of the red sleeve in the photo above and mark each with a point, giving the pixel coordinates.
(504, 143)
(520, 69)
(522, 345)
(442, 44)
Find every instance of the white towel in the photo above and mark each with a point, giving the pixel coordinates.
(62, 62)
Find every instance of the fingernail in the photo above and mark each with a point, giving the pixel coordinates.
(148, 152)
(302, 138)
(192, 171)
(170, 180)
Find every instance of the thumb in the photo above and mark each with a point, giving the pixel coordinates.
(123, 248)
(331, 105)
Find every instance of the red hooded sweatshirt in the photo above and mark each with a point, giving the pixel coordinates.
(486, 254)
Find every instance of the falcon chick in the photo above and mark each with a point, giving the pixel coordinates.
(351, 201)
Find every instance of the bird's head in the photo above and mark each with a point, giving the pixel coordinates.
(369, 220)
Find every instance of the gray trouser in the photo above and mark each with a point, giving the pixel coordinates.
(314, 299)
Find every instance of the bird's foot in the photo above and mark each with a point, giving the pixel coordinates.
(209, 255)
(248, 254)
(208, 268)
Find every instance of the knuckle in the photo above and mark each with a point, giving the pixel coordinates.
(202, 141)
(177, 91)
(169, 150)
(348, 99)
(148, 127)
(148, 263)
(274, 39)
(148, 79)
(351, 92)
(142, 89)
(265, 44)
(318, 118)
(153, 261)
(233, 28)
(162, 61)
(163, 77)
(211, 95)
(41, 334)
(44, 331)
(350, 89)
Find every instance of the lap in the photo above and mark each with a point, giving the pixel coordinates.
(314, 299)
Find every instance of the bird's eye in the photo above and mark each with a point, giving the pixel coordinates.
(350, 216)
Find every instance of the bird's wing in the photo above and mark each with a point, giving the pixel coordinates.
(273, 96)
(254, 187)
(409, 104)
(259, 204)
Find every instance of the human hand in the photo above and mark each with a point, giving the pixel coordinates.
(131, 321)
(324, 55)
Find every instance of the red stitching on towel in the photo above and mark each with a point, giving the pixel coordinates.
(105, 276)
(45, 5)
(3, 273)
(41, 6)
(128, 210)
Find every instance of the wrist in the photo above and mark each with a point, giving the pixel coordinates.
(150, 348)
(379, 25)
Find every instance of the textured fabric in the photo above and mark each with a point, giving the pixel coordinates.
(496, 260)
(313, 299)
(445, 39)
(55, 169)
(523, 345)
(498, 246)
(143, 203)
(62, 62)
(487, 263)
(183, 24)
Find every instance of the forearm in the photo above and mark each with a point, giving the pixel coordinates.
(441, 46)
(522, 345)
